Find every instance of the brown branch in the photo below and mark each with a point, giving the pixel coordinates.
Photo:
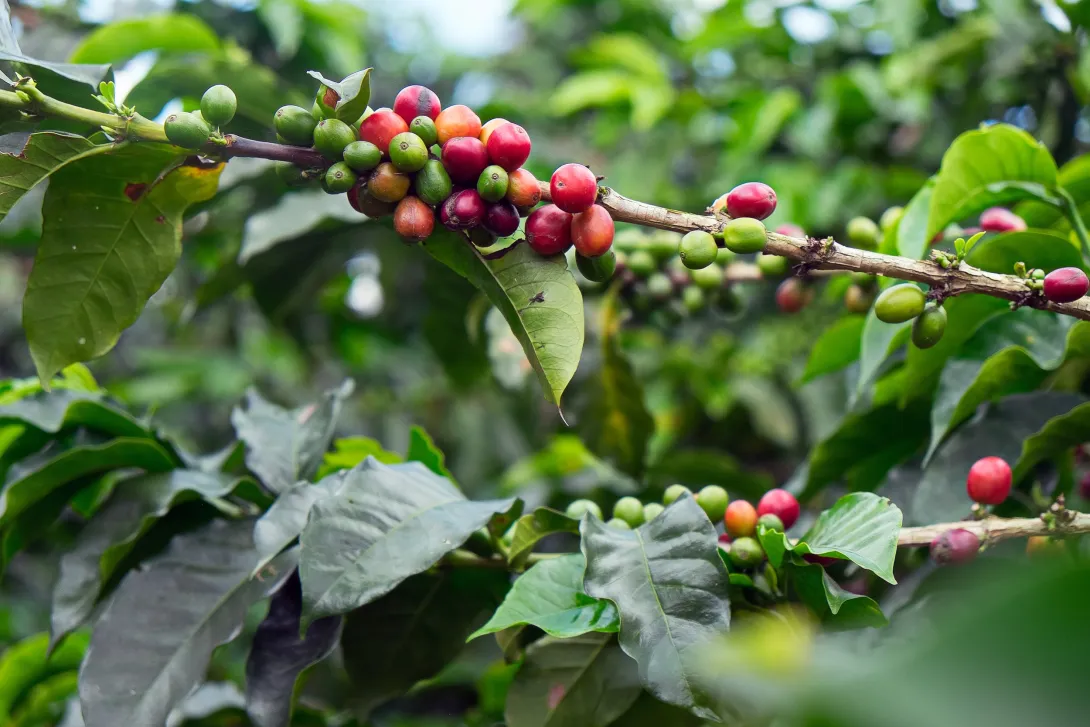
(240, 146)
(994, 528)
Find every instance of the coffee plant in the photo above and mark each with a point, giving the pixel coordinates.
(331, 402)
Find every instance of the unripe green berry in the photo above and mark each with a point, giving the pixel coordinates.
(698, 249)
(659, 287)
(338, 179)
(709, 278)
(863, 232)
(618, 524)
(725, 256)
(899, 303)
(492, 184)
(408, 152)
(597, 269)
(745, 235)
(629, 510)
(713, 499)
(651, 511)
(770, 522)
(673, 492)
(642, 263)
(186, 130)
(692, 298)
(928, 328)
(424, 127)
(772, 266)
(331, 136)
(746, 553)
(891, 218)
(218, 105)
(581, 507)
(857, 299)
(363, 156)
(663, 244)
(863, 278)
(432, 183)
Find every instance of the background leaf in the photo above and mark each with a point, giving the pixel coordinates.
(166, 33)
(838, 346)
(1036, 248)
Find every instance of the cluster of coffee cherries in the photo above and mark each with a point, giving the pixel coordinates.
(777, 510)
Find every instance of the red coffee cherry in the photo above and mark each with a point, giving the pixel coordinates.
(509, 146)
(1084, 486)
(1066, 285)
(725, 540)
(381, 127)
(413, 101)
(1001, 219)
(780, 503)
(523, 189)
(792, 295)
(464, 158)
(573, 188)
(455, 121)
(955, 546)
(413, 219)
(791, 230)
(989, 481)
(752, 199)
(548, 230)
(740, 519)
(501, 219)
(592, 231)
(462, 210)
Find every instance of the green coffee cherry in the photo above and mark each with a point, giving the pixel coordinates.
(424, 127)
(673, 492)
(692, 298)
(408, 152)
(338, 179)
(746, 553)
(772, 266)
(292, 175)
(659, 286)
(651, 511)
(857, 299)
(744, 235)
(618, 524)
(642, 263)
(331, 136)
(697, 249)
(899, 303)
(295, 125)
(891, 218)
(724, 257)
(863, 232)
(363, 156)
(629, 510)
(492, 184)
(432, 183)
(863, 278)
(218, 105)
(597, 269)
(770, 522)
(928, 328)
(663, 244)
(713, 499)
(709, 278)
(580, 507)
(186, 130)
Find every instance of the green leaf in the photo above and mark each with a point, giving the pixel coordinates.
(46, 703)
(878, 342)
(1058, 435)
(861, 527)
(531, 528)
(28, 662)
(586, 680)
(415, 630)
(837, 608)
(282, 446)
(136, 504)
(1036, 248)
(284, 520)
(52, 411)
(166, 34)
(1074, 177)
(152, 644)
(838, 346)
(912, 238)
(670, 586)
(647, 711)
(537, 296)
(34, 158)
(354, 92)
(550, 596)
(996, 165)
(88, 74)
(350, 451)
(386, 523)
(279, 655)
(105, 249)
(78, 462)
(590, 89)
(422, 449)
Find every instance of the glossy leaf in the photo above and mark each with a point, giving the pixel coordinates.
(838, 609)
(104, 252)
(878, 342)
(284, 520)
(1036, 248)
(586, 680)
(422, 449)
(537, 296)
(529, 529)
(996, 165)
(166, 33)
(861, 527)
(34, 158)
(912, 238)
(670, 587)
(1057, 436)
(550, 596)
(152, 644)
(413, 631)
(386, 523)
(87, 74)
(111, 534)
(838, 346)
(279, 655)
(283, 447)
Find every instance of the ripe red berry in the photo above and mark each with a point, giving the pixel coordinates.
(955, 546)
(989, 481)
(740, 519)
(792, 295)
(455, 121)
(1084, 486)
(791, 230)
(1000, 219)
(381, 127)
(464, 158)
(752, 199)
(501, 219)
(523, 189)
(780, 503)
(725, 539)
(414, 101)
(573, 188)
(413, 219)
(548, 230)
(592, 231)
(462, 210)
(509, 146)
(1066, 285)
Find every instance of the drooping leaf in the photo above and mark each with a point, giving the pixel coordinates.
(586, 680)
(111, 534)
(422, 449)
(284, 446)
(838, 609)
(531, 528)
(1059, 434)
(670, 587)
(52, 411)
(861, 527)
(105, 250)
(1036, 248)
(81, 461)
(88, 74)
(386, 523)
(167, 33)
(28, 662)
(279, 655)
(537, 296)
(996, 165)
(838, 346)
(550, 596)
(413, 631)
(284, 520)
(152, 644)
(25, 164)
(878, 342)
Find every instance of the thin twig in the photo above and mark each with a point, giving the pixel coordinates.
(994, 528)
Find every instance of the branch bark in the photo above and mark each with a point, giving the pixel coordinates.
(994, 528)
